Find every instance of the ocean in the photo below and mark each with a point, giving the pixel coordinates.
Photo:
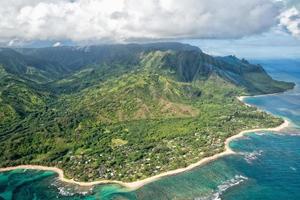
(266, 166)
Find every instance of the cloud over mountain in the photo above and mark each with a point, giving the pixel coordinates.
(123, 20)
(290, 19)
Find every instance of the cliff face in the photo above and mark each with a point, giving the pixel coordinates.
(115, 107)
(32, 77)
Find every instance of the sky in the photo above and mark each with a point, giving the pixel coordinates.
(246, 28)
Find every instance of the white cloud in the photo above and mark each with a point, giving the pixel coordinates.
(57, 44)
(290, 19)
(123, 20)
(11, 43)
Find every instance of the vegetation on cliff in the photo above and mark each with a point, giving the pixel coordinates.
(124, 112)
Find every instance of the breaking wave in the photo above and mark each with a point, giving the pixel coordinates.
(66, 190)
(251, 156)
(238, 179)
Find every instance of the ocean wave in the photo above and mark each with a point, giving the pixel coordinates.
(295, 111)
(251, 156)
(238, 179)
(293, 169)
(66, 190)
(291, 131)
(260, 133)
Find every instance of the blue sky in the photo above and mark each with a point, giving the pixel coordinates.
(245, 28)
(267, 45)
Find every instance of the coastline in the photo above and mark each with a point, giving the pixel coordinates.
(137, 184)
(241, 99)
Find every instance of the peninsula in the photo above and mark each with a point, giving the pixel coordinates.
(124, 113)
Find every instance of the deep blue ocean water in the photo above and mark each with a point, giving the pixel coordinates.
(267, 165)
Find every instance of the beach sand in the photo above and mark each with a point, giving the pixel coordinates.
(137, 184)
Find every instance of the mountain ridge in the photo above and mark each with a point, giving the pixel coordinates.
(105, 112)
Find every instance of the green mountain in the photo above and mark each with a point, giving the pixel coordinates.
(124, 112)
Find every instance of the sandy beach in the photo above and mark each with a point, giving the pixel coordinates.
(241, 98)
(137, 184)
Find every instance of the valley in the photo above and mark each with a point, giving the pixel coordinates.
(124, 112)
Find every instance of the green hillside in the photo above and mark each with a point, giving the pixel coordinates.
(124, 112)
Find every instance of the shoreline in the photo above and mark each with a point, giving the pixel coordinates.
(137, 184)
(241, 99)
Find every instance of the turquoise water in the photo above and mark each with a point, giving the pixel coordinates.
(267, 165)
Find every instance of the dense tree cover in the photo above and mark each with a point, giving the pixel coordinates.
(124, 112)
